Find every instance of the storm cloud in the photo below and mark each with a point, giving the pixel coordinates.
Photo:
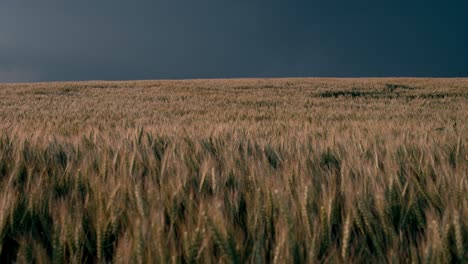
(53, 40)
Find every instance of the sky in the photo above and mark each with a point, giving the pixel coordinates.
(68, 40)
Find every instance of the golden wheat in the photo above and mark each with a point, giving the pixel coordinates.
(254, 170)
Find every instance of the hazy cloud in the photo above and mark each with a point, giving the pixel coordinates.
(18, 75)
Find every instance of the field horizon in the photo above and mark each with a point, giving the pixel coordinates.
(257, 78)
(273, 170)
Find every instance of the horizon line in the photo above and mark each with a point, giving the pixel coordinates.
(230, 78)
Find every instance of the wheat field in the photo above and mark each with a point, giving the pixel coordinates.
(235, 171)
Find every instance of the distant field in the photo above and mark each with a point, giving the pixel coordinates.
(235, 171)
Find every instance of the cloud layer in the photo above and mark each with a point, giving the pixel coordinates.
(81, 40)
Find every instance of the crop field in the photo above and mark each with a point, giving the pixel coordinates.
(235, 171)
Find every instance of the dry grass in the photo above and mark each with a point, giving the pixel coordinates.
(208, 171)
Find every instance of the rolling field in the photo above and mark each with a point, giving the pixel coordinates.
(235, 171)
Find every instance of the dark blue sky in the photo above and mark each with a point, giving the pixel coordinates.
(52, 40)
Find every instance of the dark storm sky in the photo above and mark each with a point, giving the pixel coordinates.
(51, 40)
